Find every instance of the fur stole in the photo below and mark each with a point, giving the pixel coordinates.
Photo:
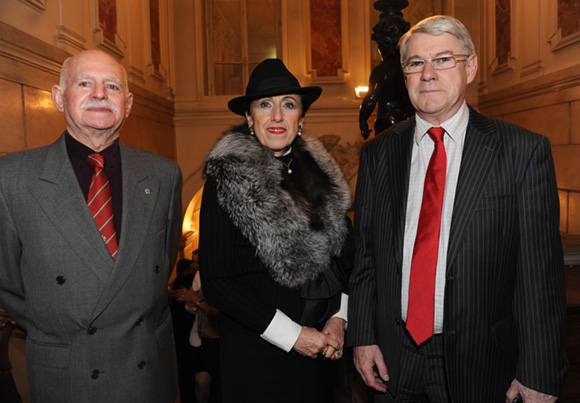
(294, 236)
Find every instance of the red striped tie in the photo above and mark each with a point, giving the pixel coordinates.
(420, 315)
(101, 204)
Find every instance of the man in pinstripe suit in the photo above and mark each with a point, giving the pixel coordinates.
(498, 320)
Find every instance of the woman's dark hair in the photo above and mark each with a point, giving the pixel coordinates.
(304, 108)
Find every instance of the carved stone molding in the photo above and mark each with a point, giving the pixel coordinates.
(155, 67)
(38, 5)
(117, 47)
(504, 59)
(347, 155)
(567, 21)
(136, 75)
(496, 67)
(158, 72)
(105, 32)
(548, 88)
(28, 60)
(69, 40)
(557, 42)
(535, 68)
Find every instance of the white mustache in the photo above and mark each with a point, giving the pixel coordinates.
(99, 104)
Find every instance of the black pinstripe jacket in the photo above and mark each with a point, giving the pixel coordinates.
(505, 304)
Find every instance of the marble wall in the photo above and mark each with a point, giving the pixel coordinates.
(503, 30)
(568, 16)
(326, 33)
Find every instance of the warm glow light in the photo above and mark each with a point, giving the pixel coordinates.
(361, 91)
(190, 229)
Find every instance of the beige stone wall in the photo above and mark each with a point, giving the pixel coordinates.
(538, 88)
(199, 119)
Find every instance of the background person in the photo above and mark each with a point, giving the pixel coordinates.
(272, 228)
(182, 324)
(202, 350)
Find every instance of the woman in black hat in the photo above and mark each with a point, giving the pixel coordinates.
(275, 246)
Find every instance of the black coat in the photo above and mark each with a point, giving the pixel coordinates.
(253, 214)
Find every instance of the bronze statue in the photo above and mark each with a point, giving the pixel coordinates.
(386, 83)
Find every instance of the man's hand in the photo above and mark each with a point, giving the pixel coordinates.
(365, 359)
(528, 395)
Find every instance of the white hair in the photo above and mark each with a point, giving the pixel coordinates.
(64, 72)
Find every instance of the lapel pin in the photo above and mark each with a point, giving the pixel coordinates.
(147, 191)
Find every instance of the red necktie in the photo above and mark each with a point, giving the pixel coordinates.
(424, 264)
(101, 204)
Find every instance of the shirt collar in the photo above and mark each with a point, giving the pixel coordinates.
(455, 126)
(78, 152)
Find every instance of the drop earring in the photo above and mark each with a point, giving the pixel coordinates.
(252, 130)
(300, 130)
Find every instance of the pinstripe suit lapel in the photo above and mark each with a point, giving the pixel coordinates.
(479, 153)
(399, 158)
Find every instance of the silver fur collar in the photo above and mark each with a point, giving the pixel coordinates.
(248, 178)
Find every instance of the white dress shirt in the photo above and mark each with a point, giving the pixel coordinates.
(455, 128)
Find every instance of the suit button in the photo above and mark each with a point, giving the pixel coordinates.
(139, 322)
(142, 364)
(157, 269)
(95, 374)
(398, 321)
(92, 330)
(60, 280)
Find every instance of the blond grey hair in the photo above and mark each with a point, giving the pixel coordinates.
(438, 25)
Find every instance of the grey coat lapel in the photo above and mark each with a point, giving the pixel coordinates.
(59, 195)
(140, 191)
(479, 153)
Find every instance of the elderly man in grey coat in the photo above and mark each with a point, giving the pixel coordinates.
(89, 234)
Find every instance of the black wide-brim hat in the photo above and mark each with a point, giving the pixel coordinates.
(271, 78)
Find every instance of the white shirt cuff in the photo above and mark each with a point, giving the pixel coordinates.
(282, 331)
(343, 311)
